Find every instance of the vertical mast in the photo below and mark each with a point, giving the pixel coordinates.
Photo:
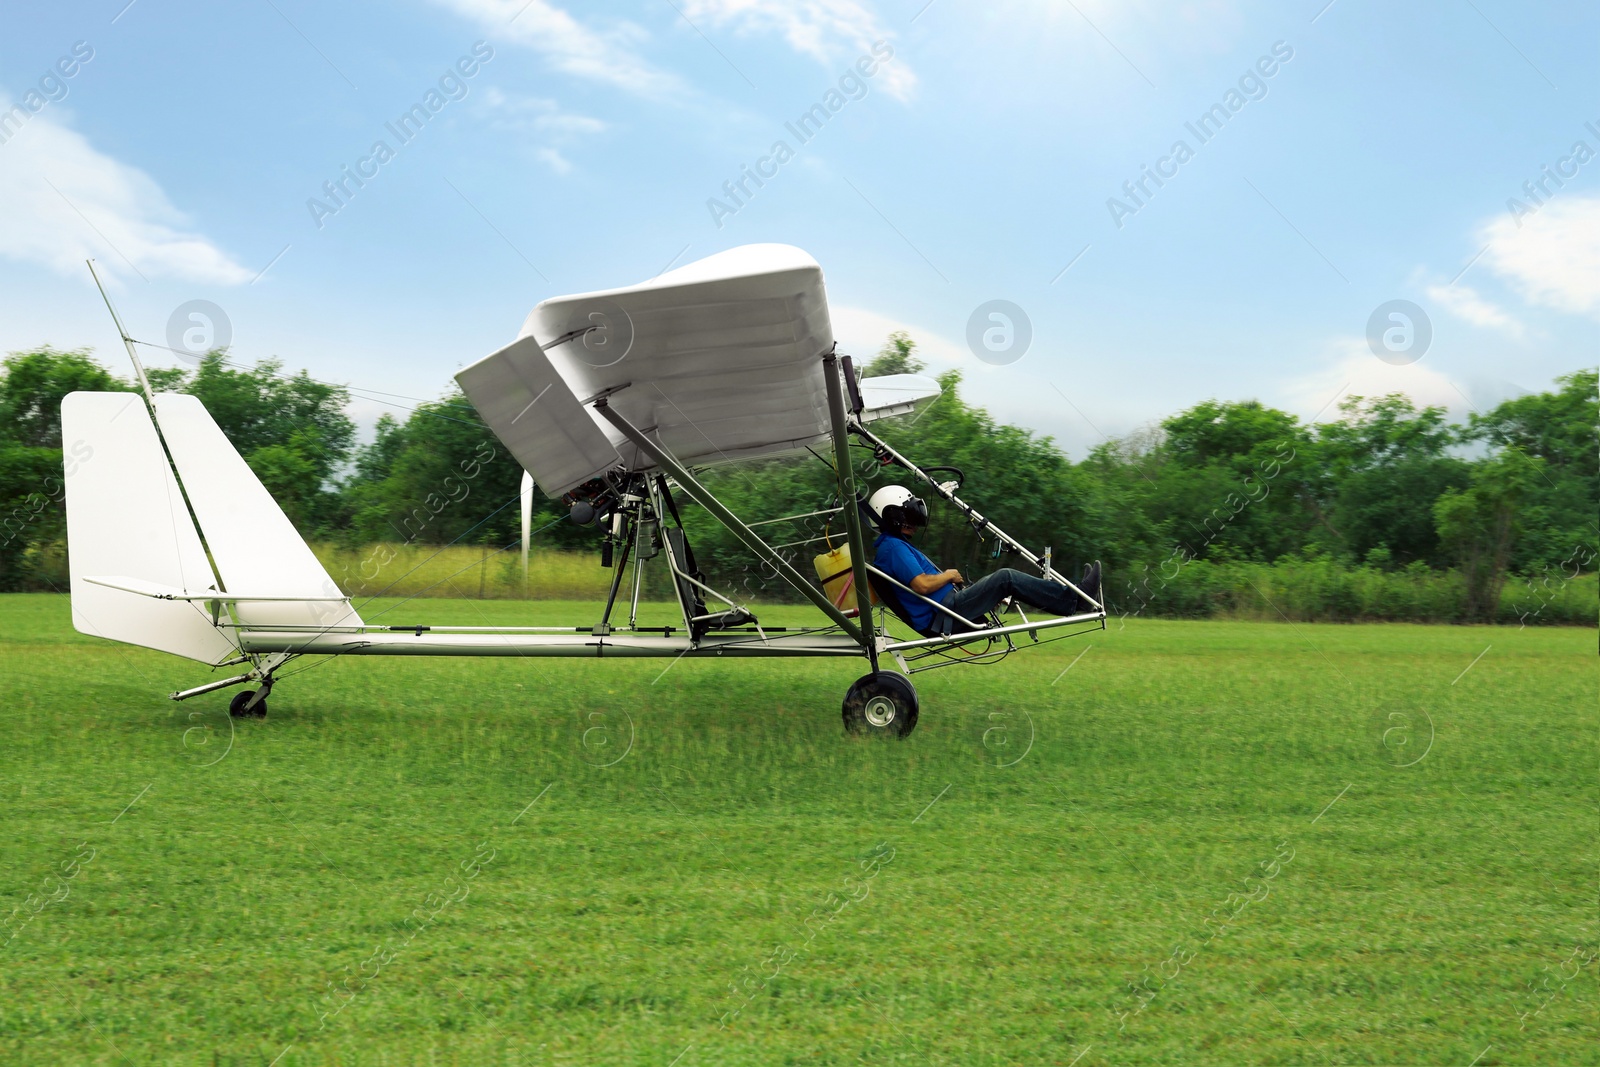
(155, 422)
(127, 342)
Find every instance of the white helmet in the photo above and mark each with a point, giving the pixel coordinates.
(894, 507)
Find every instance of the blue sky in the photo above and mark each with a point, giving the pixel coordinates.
(976, 163)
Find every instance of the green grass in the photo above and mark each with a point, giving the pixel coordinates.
(471, 571)
(1417, 921)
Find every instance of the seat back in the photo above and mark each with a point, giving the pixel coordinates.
(889, 597)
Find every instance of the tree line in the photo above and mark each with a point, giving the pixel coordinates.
(1385, 494)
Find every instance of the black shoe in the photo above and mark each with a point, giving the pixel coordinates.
(1090, 583)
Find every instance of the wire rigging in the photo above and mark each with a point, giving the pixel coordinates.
(355, 390)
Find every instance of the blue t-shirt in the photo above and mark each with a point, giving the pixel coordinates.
(903, 561)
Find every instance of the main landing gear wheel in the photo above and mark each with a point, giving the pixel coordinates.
(884, 704)
(236, 706)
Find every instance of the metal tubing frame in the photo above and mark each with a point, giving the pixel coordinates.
(806, 541)
(706, 499)
(845, 474)
(791, 518)
(973, 515)
(676, 566)
(658, 496)
(315, 631)
(583, 644)
(638, 584)
(957, 639)
(630, 531)
(994, 631)
(211, 687)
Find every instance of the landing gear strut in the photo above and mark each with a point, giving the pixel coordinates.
(884, 703)
(252, 703)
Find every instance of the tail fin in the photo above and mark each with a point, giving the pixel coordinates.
(127, 519)
(256, 549)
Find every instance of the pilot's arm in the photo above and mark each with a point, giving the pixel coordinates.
(927, 584)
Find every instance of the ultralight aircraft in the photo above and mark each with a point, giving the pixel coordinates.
(613, 402)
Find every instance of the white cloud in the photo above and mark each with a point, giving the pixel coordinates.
(536, 113)
(600, 55)
(1000, 390)
(1350, 369)
(542, 120)
(1465, 303)
(833, 32)
(553, 159)
(66, 202)
(1554, 257)
(567, 123)
(861, 333)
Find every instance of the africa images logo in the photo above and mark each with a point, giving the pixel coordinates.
(852, 85)
(452, 86)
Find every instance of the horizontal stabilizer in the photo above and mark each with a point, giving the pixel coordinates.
(167, 592)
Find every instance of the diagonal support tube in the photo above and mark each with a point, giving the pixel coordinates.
(704, 497)
(977, 519)
(847, 496)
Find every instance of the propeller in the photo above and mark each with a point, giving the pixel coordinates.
(527, 517)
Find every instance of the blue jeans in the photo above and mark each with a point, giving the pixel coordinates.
(983, 595)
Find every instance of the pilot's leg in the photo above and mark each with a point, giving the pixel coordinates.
(1055, 597)
(986, 593)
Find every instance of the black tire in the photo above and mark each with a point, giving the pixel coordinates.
(884, 704)
(236, 706)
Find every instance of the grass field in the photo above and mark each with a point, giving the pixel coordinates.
(1305, 844)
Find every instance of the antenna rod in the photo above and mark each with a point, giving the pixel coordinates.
(127, 342)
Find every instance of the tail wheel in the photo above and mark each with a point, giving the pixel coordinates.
(240, 708)
(884, 703)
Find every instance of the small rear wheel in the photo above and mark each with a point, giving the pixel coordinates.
(237, 708)
(884, 704)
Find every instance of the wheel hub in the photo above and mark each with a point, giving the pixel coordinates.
(881, 703)
(880, 711)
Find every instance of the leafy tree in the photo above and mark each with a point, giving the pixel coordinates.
(442, 476)
(31, 388)
(1557, 427)
(895, 357)
(1120, 476)
(263, 406)
(32, 491)
(1560, 506)
(31, 511)
(374, 462)
(1230, 481)
(1378, 471)
(1388, 483)
(1480, 524)
(290, 429)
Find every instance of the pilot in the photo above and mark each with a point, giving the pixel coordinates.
(899, 513)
